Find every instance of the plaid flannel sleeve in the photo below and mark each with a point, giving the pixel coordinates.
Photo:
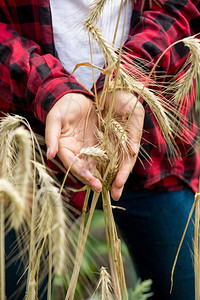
(27, 76)
(157, 27)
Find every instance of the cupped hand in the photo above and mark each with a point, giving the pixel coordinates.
(126, 104)
(70, 126)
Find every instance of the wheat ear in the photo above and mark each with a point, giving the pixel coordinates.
(157, 104)
(185, 83)
(107, 49)
(127, 82)
(15, 155)
(55, 223)
(52, 219)
(104, 285)
(22, 143)
(96, 9)
(7, 126)
(114, 141)
(17, 208)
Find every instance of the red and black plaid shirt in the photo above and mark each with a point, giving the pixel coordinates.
(32, 78)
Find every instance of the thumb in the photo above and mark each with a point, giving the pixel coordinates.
(52, 134)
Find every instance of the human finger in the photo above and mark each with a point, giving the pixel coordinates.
(79, 168)
(122, 176)
(52, 134)
(134, 137)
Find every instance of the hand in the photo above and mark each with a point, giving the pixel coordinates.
(70, 126)
(124, 103)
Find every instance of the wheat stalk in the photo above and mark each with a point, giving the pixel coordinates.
(108, 169)
(31, 293)
(80, 252)
(181, 242)
(114, 249)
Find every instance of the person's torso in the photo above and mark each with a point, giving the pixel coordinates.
(72, 42)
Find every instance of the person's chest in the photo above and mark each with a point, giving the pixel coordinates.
(73, 43)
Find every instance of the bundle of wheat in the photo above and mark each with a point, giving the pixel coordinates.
(51, 233)
(112, 134)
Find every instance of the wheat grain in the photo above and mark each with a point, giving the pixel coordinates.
(94, 152)
(119, 131)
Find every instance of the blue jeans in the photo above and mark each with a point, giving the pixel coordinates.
(152, 227)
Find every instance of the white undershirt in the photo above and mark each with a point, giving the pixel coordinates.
(72, 42)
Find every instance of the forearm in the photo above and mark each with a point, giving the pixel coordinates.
(29, 77)
(161, 24)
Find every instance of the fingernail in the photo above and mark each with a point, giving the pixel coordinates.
(48, 152)
(88, 176)
(97, 190)
(119, 193)
(135, 148)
